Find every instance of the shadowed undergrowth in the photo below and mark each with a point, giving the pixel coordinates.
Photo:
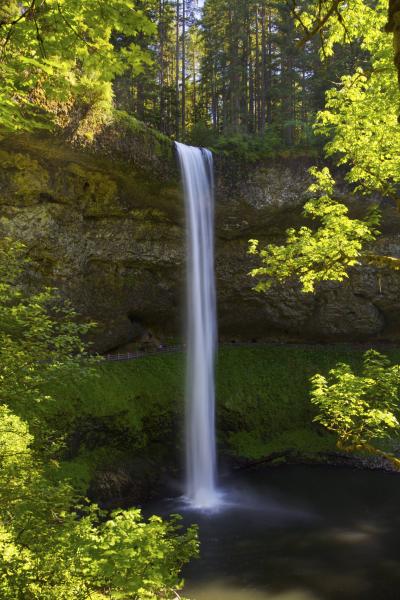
(136, 408)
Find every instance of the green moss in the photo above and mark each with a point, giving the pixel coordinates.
(130, 168)
(262, 400)
(263, 397)
(118, 413)
(98, 192)
(304, 442)
(159, 143)
(126, 392)
(23, 175)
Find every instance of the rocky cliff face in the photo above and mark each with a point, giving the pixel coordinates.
(107, 228)
(263, 202)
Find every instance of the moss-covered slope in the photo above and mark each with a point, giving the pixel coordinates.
(127, 422)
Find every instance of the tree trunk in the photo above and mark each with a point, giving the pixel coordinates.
(257, 75)
(183, 96)
(161, 33)
(269, 71)
(264, 69)
(177, 71)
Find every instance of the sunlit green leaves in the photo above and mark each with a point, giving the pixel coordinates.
(149, 555)
(360, 118)
(62, 50)
(34, 347)
(360, 409)
(47, 550)
(360, 121)
(324, 253)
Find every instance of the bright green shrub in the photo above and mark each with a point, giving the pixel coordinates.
(359, 409)
(53, 545)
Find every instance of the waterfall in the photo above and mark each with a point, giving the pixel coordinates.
(197, 173)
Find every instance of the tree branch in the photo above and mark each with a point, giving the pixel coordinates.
(22, 16)
(321, 22)
(72, 28)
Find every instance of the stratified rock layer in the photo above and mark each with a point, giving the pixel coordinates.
(110, 234)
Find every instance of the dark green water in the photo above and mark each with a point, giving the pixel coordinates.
(299, 533)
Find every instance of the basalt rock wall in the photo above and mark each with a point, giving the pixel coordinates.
(108, 229)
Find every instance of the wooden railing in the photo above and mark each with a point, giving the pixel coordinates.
(176, 349)
(144, 353)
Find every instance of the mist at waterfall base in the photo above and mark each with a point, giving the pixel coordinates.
(200, 446)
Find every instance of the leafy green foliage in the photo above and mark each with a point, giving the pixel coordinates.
(62, 51)
(323, 254)
(48, 551)
(242, 147)
(360, 121)
(53, 545)
(359, 409)
(35, 347)
(154, 548)
(253, 148)
(360, 118)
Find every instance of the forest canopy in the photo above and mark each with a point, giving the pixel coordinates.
(244, 68)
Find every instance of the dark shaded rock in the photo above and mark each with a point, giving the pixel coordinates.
(109, 236)
(127, 484)
(105, 224)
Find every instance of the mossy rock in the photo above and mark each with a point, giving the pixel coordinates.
(23, 178)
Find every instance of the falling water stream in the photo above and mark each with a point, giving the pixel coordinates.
(197, 174)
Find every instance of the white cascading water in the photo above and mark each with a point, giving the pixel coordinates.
(197, 173)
